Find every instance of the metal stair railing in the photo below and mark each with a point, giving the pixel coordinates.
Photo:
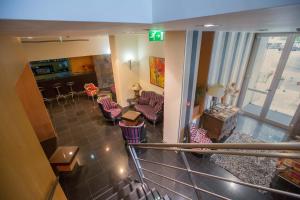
(214, 148)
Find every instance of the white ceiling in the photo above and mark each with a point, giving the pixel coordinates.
(280, 19)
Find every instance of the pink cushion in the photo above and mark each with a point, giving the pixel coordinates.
(115, 112)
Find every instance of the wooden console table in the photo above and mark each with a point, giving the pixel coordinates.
(220, 124)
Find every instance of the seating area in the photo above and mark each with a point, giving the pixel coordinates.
(151, 106)
(110, 110)
(133, 134)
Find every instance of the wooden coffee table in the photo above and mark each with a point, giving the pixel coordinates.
(65, 158)
(130, 117)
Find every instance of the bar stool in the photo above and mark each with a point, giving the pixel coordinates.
(71, 91)
(42, 90)
(58, 94)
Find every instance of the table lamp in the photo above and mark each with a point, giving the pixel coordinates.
(136, 88)
(216, 91)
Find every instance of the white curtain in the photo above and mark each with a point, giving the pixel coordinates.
(230, 55)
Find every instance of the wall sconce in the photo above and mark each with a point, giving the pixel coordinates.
(129, 63)
(130, 59)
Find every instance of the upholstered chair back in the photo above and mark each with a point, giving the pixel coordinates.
(132, 134)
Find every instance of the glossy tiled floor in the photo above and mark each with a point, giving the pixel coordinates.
(102, 153)
(103, 157)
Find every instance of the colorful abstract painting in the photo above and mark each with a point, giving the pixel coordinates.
(157, 71)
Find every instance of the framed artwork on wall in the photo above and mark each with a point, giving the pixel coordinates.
(157, 71)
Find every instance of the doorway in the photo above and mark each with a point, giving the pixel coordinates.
(271, 88)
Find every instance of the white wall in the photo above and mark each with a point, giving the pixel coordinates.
(137, 47)
(174, 48)
(52, 50)
(146, 49)
(123, 48)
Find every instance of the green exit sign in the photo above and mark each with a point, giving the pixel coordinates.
(156, 35)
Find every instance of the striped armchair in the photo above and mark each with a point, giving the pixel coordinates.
(109, 109)
(133, 134)
(151, 106)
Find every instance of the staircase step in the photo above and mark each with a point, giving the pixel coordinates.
(128, 189)
(156, 194)
(149, 196)
(140, 191)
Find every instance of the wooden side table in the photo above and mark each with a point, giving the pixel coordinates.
(131, 118)
(220, 124)
(65, 158)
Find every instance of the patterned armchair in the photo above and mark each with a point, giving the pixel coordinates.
(109, 109)
(151, 106)
(198, 135)
(90, 90)
(133, 134)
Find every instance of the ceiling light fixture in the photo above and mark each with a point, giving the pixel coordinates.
(209, 25)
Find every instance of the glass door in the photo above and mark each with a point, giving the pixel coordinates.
(265, 58)
(287, 95)
(271, 89)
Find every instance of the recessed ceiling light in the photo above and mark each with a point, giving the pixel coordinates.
(209, 25)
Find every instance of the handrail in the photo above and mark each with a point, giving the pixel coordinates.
(238, 153)
(53, 188)
(216, 148)
(224, 179)
(186, 184)
(254, 146)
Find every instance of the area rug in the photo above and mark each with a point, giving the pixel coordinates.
(250, 169)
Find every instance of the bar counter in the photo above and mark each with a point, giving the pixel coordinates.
(79, 80)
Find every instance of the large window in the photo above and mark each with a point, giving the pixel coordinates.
(272, 86)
